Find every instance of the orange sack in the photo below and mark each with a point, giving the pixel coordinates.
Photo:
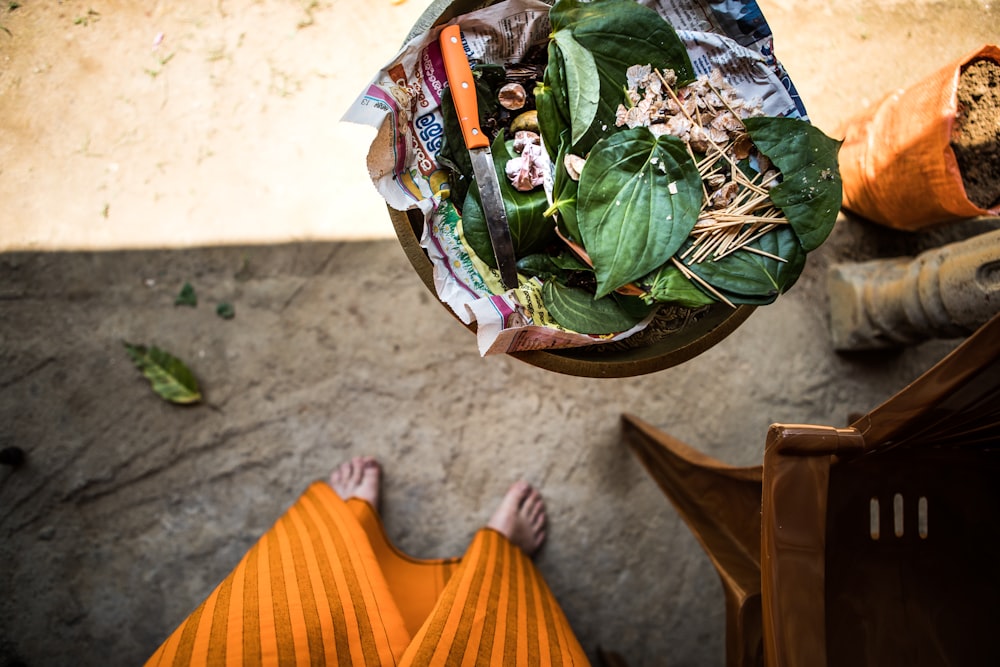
(897, 163)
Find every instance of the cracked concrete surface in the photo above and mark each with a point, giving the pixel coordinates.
(129, 510)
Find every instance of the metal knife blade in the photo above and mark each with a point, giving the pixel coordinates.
(463, 93)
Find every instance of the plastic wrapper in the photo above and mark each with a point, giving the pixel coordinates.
(402, 102)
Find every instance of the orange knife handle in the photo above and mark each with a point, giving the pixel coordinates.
(463, 87)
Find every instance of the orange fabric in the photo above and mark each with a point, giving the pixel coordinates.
(415, 583)
(325, 586)
(309, 592)
(897, 163)
(495, 610)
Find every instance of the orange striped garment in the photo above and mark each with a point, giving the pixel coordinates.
(325, 586)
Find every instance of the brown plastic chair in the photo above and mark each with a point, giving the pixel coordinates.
(878, 543)
(893, 523)
(721, 506)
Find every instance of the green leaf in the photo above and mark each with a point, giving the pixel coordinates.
(545, 267)
(551, 123)
(453, 154)
(567, 261)
(578, 310)
(538, 265)
(583, 85)
(811, 191)
(634, 306)
(669, 285)
(639, 199)
(530, 230)
(187, 297)
(168, 376)
(564, 194)
(225, 311)
(747, 277)
(617, 34)
(555, 78)
(492, 77)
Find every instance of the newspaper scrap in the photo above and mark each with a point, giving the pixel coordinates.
(403, 103)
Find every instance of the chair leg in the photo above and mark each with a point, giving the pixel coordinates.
(721, 506)
(720, 503)
(744, 629)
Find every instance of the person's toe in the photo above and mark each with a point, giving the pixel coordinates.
(339, 474)
(539, 538)
(532, 503)
(357, 470)
(369, 475)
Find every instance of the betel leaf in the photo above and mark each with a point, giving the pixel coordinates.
(567, 261)
(639, 198)
(668, 285)
(583, 85)
(621, 29)
(545, 267)
(564, 193)
(167, 375)
(550, 123)
(493, 77)
(810, 192)
(530, 230)
(538, 265)
(578, 310)
(453, 154)
(748, 277)
(616, 34)
(550, 101)
(634, 306)
(555, 77)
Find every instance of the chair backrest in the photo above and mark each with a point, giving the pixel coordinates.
(879, 542)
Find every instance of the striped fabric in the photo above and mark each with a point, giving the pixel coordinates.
(495, 610)
(321, 588)
(415, 583)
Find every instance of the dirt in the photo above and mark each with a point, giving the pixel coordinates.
(184, 124)
(976, 137)
(167, 124)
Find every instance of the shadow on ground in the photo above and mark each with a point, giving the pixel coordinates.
(129, 510)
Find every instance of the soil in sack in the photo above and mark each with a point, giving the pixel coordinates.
(976, 136)
(900, 158)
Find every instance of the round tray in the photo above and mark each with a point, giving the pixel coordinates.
(671, 339)
(674, 336)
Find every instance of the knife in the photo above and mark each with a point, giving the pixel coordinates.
(463, 94)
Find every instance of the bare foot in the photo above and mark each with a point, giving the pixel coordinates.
(359, 477)
(521, 517)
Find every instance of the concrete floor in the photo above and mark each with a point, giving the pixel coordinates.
(129, 510)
